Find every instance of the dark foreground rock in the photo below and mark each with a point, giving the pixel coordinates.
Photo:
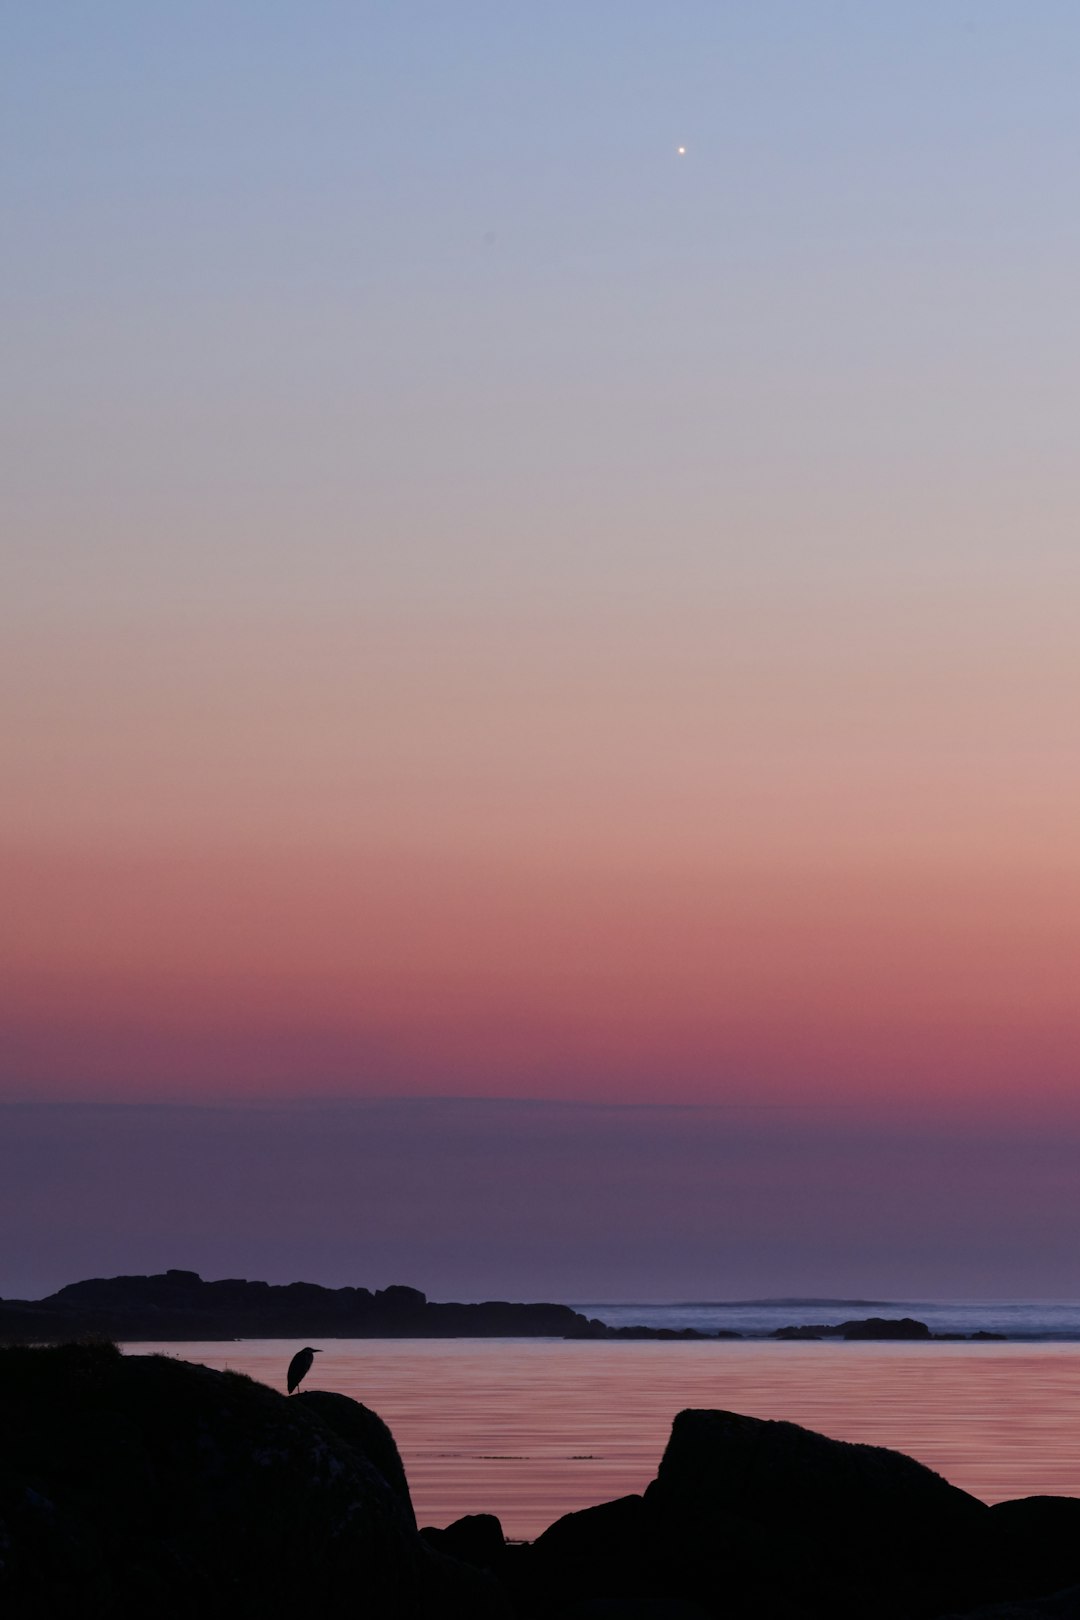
(1057, 1606)
(845, 1526)
(141, 1486)
(476, 1539)
(751, 1520)
(365, 1432)
(1040, 1538)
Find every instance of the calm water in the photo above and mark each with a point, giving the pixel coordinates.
(530, 1429)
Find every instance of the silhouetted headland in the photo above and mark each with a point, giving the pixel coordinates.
(179, 1305)
(144, 1485)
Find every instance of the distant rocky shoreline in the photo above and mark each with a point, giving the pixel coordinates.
(879, 1327)
(179, 1305)
(136, 1485)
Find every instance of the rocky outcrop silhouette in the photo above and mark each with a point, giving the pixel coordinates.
(476, 1539)
(365, 1431)
(1039, 1537)
(860, 1526)
(756, 1520)
(139, 1485)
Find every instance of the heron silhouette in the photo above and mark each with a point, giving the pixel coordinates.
(299, 1365)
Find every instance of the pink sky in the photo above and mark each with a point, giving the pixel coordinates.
(792, 842)
(500, 609)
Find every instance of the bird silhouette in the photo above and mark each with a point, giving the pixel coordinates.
(299, 1365)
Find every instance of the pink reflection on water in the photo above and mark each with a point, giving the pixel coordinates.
(531, 1429)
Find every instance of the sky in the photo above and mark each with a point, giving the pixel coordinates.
(498, 608)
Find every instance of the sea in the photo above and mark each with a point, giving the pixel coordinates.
(530, 1429)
